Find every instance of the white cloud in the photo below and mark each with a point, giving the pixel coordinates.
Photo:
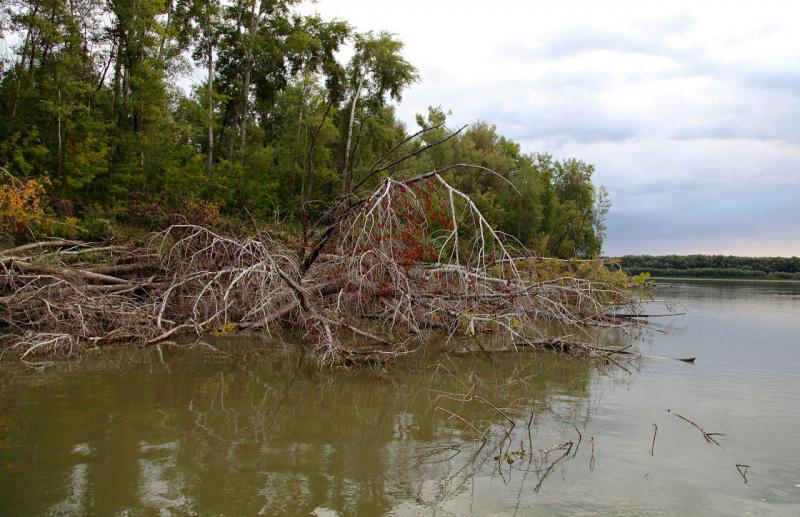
(690, 110)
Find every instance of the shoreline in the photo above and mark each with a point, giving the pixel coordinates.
(712, 279)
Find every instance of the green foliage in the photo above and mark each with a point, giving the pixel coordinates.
(549, 205)
(24, 153)
(277, 127)
(378, 64)
(642, 280)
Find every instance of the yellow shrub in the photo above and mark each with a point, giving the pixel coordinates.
(202, 212)
(21, 205)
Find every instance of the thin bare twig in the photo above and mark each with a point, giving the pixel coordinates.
(709, 437)
(653, 445)
(743, 471)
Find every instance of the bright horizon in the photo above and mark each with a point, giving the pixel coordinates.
(690, 113)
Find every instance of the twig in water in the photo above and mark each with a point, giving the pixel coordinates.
(743, 471)
(653, 445)
(454, 448)
(591, 460)
(708, 436)
(580, 438)
(530, 439)
(565, 445)
(459, 417)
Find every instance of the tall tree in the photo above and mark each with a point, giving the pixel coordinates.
(200, 25)
(377, 70)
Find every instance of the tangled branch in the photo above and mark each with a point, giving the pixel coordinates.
(375, 275)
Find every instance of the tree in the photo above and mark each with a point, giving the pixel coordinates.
(376, 70)
(602, 204)
(201, 23)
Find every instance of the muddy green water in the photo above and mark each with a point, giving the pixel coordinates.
(263, 432)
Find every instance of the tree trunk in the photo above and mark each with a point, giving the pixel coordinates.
(346, 183)
(308, 183)
(21, 67)
(296, 161)
(210, 155)
(163, 41)
(244, 106)
(231, 115)
(117, 77)
(59, 159)
(140, 118)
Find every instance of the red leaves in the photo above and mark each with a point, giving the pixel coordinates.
(386, 289)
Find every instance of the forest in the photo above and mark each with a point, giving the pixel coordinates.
(131, 114)
(713, 266)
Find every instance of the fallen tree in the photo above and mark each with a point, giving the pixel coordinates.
(382, 272)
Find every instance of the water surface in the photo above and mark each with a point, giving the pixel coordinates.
(262, 431)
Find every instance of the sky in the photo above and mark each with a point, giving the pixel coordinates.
(690, 111)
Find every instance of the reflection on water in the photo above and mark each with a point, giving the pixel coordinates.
(75, 501)
(262, 431)
(161, 484)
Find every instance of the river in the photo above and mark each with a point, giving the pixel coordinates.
(257, 429)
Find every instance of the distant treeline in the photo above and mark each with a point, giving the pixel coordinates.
(713, 266)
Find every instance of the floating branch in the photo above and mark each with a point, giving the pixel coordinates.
(451, 449)
(709, 437)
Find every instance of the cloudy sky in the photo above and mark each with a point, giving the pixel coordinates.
(689, 110)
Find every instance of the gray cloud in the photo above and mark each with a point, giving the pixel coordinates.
(562, 122)
(689, 110)
(711, 214)
(648, 38)
(568, 112)
(576, 41)
(785, 80)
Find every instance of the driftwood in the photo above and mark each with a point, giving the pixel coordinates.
(409, 260)
(37, 246)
